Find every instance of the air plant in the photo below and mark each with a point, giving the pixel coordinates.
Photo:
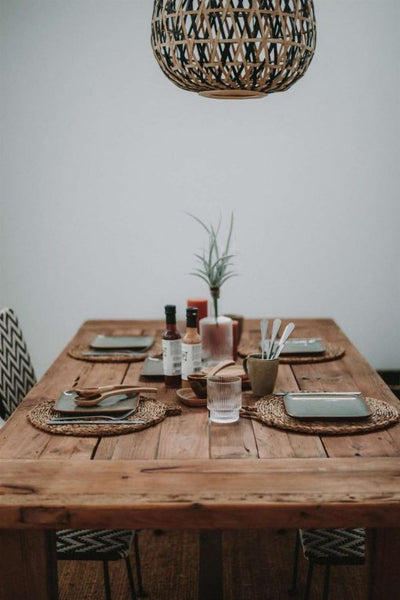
(215, 262)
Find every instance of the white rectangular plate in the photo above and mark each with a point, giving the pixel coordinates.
(302, 346)
(326, 405)
(153, 367)
(119, 342)
(112, 404)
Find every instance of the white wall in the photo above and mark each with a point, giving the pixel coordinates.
(101, 154)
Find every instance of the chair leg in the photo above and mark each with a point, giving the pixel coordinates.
(293, 587)
(326, 582)
(106, 575)
(130, 578)
(309, 579)
(141, 591)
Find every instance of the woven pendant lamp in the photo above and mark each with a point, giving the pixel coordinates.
(233, 48)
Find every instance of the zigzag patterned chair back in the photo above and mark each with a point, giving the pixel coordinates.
(16, 379)
(16, 371)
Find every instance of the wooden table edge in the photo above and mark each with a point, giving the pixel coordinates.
(260, 493)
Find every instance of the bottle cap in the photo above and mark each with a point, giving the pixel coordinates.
(191, 316)
(170, 316)
(170, 309)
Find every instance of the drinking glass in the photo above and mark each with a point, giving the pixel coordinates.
(224, 398)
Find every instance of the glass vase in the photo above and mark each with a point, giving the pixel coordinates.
(216, 339)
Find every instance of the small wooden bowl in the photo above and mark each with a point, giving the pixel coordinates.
(188, 397)
(198, 383)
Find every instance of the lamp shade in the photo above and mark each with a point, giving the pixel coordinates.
(234, 48)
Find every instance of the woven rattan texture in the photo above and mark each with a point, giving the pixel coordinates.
(271, 411)
(150, 411)
(228, 46)
(332, 352)
(78, 353)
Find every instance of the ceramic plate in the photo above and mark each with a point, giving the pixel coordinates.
(303, 346)
(153, 367)
(326, 405)
(119, 342)
(112, 404)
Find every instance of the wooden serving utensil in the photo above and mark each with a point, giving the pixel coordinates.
(198, 381)
(90, 392)
(219, 367)
(93, 401)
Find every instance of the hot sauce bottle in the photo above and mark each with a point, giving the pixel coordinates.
(191, 345)
(172, 349)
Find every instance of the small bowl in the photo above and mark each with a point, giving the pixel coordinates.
(198, 383)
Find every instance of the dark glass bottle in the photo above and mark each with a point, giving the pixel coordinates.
(172, 349)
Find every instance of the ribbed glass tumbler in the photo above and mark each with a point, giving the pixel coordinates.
(224, 398)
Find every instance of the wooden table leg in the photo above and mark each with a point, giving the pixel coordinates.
(383, 552)
(28, 566)
(211, 584)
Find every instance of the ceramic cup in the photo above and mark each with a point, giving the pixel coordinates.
(262, 373)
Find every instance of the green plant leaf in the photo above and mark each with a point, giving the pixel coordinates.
(201, 277)
(228, 241)
(199, 221)
(216, 262)
(224, 279)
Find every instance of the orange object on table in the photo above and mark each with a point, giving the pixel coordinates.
(202, 306)
(235, 334)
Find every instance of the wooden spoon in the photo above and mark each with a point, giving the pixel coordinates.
(93, 401)
(219, 367)
(90, 392)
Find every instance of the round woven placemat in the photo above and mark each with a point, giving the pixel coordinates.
(150, 411)
(271, 411)
(332, 352)
(78, 353)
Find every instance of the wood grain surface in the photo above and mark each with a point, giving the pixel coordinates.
(186, 473)
(200, 494)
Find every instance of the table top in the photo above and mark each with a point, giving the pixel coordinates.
(190, 474)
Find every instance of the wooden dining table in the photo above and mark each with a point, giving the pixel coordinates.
(186, 473)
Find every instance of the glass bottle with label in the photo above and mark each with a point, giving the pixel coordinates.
(191, 346)
(172, 349)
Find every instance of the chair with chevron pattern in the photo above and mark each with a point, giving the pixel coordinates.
(327, 547)
(17, 376)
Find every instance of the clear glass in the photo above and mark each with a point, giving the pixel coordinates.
(224, 398)
(216, 339)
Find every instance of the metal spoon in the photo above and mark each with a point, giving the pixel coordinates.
(275, 328)
(264, 329)
(287, 331)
